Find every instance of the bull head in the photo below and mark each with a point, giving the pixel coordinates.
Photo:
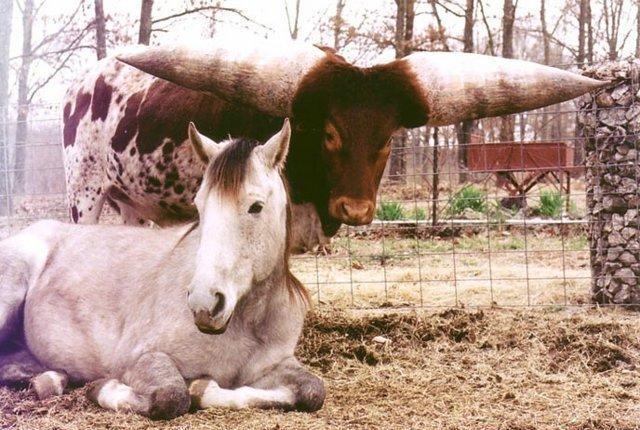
(345, 115)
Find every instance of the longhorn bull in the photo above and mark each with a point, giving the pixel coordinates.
(125, 131)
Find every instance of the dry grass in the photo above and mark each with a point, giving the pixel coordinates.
(485, 269)
(493, 369)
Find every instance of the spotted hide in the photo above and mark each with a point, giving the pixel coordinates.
(125, 143)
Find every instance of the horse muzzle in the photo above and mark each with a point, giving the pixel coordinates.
(212, 313)
(207, 324)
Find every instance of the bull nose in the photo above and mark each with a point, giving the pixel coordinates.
(355, 212)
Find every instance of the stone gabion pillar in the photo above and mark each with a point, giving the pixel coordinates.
(610, 122)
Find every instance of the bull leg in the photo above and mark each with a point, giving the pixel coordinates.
(153, 386)
(85, 207)
(287, 386)
(129, 215)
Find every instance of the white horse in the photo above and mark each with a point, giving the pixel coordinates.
(155, 319)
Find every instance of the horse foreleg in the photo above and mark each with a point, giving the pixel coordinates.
(49, 383)
(206, 393)
(286, 386)
(153, 386)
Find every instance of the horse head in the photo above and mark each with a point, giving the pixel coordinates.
(242, 204)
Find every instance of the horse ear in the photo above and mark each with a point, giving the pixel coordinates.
(276, 149)
(204, 147)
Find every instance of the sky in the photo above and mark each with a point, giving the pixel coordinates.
(269, 13)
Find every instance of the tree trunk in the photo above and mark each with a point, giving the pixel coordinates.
(101, 44)
(401, 7)
(435, 181)
(144, 35)
(637, 28)
(584, 18)
(23, 99)
(466, 128)
(547, 60)
(6, 9)
(582, 32)
(337, 24)
(589, 33)
(405, 14)
(509, 14)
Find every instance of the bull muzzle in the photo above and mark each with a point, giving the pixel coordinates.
(352, 211)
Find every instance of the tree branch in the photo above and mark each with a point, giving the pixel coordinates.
(203, 8)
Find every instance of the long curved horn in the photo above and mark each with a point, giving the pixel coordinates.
(460, 86)
(263, 75)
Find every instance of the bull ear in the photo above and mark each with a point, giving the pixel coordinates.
(456, 86)
(205, 148)
(261, 74)
(276, 149)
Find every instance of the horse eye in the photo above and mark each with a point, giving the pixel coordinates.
(255, 208)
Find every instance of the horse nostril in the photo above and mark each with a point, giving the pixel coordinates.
(219, 307)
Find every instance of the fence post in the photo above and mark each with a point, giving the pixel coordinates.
(610, 121)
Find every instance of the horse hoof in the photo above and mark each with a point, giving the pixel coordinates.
(168, 403)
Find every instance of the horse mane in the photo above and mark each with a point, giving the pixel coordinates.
(295, 287)
(228, 171)
(229, 168)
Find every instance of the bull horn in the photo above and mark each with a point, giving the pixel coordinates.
(461, 86)
(263, 75)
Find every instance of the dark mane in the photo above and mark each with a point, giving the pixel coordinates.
(228, 171)
(229, 168)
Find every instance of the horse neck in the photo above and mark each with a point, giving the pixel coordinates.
(272, 312)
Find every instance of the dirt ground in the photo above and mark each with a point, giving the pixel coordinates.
(550, 368)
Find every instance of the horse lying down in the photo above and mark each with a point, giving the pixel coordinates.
(155, 320)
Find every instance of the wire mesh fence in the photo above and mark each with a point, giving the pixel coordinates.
(486, 222)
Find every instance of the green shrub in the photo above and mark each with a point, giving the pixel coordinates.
(551, 203)
(417, 214)
(390, 211)
(467, 197)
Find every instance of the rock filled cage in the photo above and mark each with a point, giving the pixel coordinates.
(610, 123)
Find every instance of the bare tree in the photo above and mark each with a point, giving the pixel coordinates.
(546, 44)
(441, 33)
(6, 15)
(490, 43)
(292, 22)
(28, 16)
(637, 28)
(405, 16)
(582, 31)
(612, 16)
(194, 7)
(101, 44)
(338, 23)
(55, 50)
(146, 23)
(466, 128)
(508, 19)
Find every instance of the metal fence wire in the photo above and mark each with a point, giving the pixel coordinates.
(490, 222)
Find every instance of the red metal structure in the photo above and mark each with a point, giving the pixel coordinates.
(519, 166)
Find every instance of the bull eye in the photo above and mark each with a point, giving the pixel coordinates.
(256, 208)
(331, 142)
